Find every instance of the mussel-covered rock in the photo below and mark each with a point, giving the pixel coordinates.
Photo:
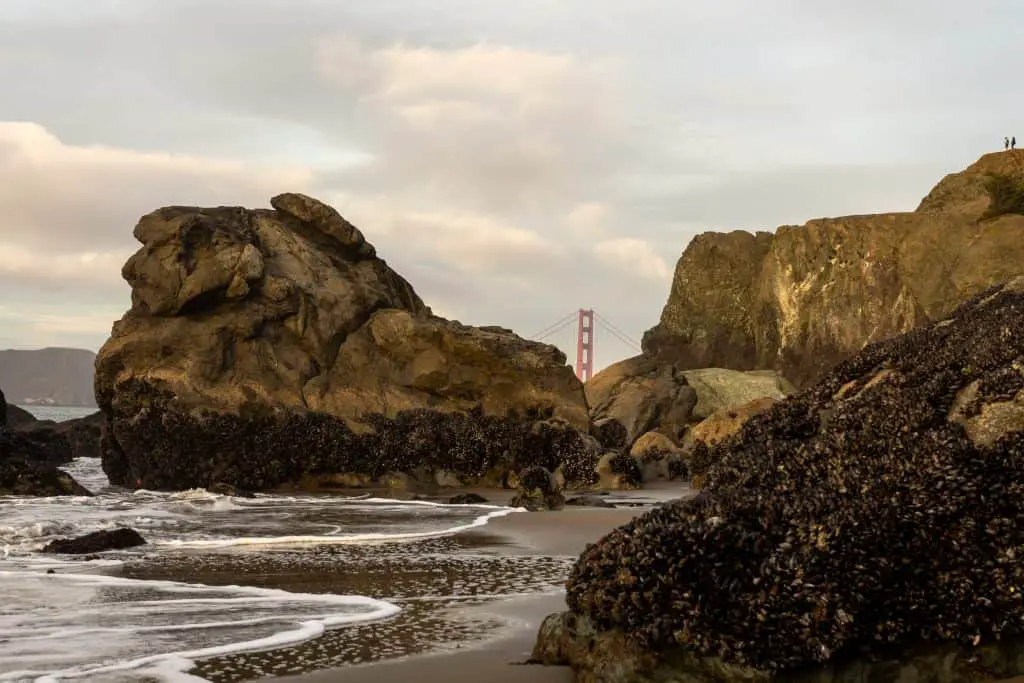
(96, 542)
(659, 458)
(880, 510)
(467, 499)
(28, 463)
(538, 490)
(618, 470)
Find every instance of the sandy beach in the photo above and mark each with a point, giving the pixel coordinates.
(499, 660)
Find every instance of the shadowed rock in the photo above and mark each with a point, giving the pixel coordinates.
(96, 542)
(803, 299)
(29, 460)
(270, 348)
(877, 514)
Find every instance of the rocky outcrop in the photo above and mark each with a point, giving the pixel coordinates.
(278, 341)
(29, 460)
(810, 296)
(643, 394)
(96, 542)
(877, 514)
(636, 395)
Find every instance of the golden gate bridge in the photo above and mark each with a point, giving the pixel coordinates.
(586, 320)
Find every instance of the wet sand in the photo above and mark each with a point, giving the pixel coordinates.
(499, 660)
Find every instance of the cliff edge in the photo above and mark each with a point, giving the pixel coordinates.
(803, 299)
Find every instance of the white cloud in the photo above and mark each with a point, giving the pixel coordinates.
(486, 127)
(82, 200)
(634, 257)
(466, 242)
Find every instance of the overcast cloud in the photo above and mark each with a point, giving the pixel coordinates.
(516, 161)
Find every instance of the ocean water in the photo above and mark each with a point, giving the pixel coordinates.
(232, 589)
(58, 413)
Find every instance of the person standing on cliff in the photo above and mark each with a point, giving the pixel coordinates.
(1013, 142)
(1006, 143)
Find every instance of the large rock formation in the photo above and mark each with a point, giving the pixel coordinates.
(53, 376)
(877, 514)
(273, 347)
(807, 297)
(641, 394)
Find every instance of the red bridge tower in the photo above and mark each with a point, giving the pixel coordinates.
(585, 345)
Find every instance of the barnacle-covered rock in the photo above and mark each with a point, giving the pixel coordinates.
(879, 511)
(538, 490)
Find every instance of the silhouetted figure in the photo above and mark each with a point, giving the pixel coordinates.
(1013, 142)
(1006, 143)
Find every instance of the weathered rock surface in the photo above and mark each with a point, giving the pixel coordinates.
(268, 347)
(640, 394)
(725, 422)
(878, 511)
(96, 542)
(720, 389)
(810, 296)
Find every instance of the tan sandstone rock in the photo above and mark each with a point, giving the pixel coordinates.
(807, 297)
(286, 326)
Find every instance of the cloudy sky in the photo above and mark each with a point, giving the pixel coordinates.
(515, 160)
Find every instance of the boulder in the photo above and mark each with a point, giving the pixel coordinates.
(877, 514)
(591, 501)
(725, 422)
(280, 342)
(617, 470)
(659, 458)
(96, 542)
(467, 499)
(720, 389)
(538, 489)
(803, 299)
(29, 460)
(641, 394)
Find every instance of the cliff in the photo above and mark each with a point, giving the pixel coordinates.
(56, 376)
(806, 297)
(270, 348)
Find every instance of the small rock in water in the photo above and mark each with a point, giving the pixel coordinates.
(589, 501)
(467, 499)
(96, 542)
(223, 489)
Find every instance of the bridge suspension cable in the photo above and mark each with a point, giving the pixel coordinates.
(586, 319)
(554, 327)
(617, 333)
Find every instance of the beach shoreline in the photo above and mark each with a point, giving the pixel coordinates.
(501, 658)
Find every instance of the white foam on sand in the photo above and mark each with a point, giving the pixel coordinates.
(349, 539)
(84, 629)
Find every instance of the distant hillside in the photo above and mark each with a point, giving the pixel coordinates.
(50, 376)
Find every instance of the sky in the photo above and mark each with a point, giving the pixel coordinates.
(516, 161)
